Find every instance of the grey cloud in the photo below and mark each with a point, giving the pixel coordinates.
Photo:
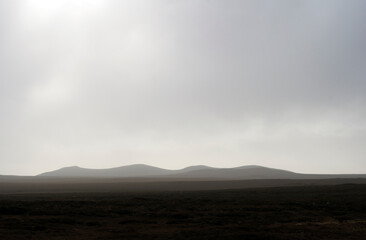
(174, 83)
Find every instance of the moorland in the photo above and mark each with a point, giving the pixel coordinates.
(311, 209)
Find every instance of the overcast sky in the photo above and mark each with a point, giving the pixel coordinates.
(173, 83)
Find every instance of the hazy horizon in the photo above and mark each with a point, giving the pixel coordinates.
(174, 83)
(181, 168)
(141, 166)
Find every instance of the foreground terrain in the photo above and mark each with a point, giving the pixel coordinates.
(301, 212)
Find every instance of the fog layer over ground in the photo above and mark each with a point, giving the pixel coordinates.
(108, 83)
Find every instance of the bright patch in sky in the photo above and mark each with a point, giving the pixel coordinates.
(53, 92)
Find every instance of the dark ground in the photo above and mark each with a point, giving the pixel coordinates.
(306, 212)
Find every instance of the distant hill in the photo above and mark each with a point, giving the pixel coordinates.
(195, 172)
(245, 172)
(136, 170)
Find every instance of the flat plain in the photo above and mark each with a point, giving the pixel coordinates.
(311, 211)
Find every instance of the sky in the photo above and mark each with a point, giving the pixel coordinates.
(174, 83)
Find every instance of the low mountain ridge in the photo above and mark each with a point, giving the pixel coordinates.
(193, 172)
(257, 172)
(136, 170)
